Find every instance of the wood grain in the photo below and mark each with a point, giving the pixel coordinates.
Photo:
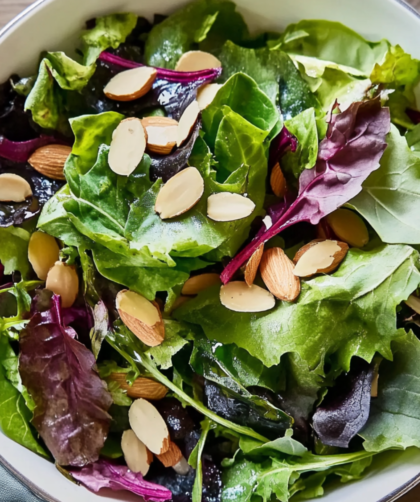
(10, 8)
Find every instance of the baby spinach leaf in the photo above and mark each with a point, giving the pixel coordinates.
(285, 446)
(176, 337)
(393, 421)
(367, 285)
(109, 31)
(209, 22)
(390, 198)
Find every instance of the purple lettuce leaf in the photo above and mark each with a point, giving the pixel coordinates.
(351, 151)
(71, 400)
(105, 474)
(345, 409)
(20, 151)
(283, 142)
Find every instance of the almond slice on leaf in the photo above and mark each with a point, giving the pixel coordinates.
(196, 61)
(138, 458)
(187, 122)
(50, 160)
(226, 206)
(319, 257)
(198, 283)
(131, 84)
(240, 297)
(43, 253)
(142, 387)
(277, 273)
(278, 181)
(127, 147)
(171, 457)
(14, 188)
(180, 193)
(149, 426)
(162, 134)
(251, 268)
(142, 317)
(63, 280)
(349, 227)
(206, 94)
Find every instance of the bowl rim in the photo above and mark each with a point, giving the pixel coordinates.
(32, 487)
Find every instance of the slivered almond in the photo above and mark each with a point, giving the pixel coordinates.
(127, 147)
(63, 280)
(149, 426)
(43, 253)
(319, 257)
(240, 297)
(142, 387)
(180, 193)
(14, 188)
(142, 317)
(187, 122)
(196, 61)
(171, 457)
(206, 94)
(414, 303)
(278, 181)
(199, 283)
(225, 206)
(131, 84)
(251, 268)
(349, 227)
(50, 160)
(162, 134)
(277, 273)
(137, 457)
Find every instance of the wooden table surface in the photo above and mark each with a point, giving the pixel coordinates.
(10, 8)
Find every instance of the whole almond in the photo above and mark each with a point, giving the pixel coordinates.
(142, 387)
(141, 316)
(278, 181)
(172, 456)
(50, 160)
(277, 273)
(251, 268)
(319, 257)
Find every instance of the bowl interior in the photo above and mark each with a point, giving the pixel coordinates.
(55, 25)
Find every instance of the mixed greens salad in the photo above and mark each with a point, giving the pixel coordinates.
(209, 256)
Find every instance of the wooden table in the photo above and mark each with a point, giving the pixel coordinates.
(10, 8)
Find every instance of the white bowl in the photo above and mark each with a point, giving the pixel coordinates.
(55, 25)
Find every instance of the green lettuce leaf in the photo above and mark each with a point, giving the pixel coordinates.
(394, 420)
(177, 335)
(360, 297)
(398, 68)
(14, 250)
(390, 198)
(206, 22)
(283, 446)
(109, 32)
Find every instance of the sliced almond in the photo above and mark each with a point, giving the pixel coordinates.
(199, 283)
(182, 467)
(43, 253)
(277, 273)
(278, 181)
(240, 297)
(414, 303)
(127, 147)
(197, 61)
(180, 301)
(206, 94)
(171, 457)
(251, 268)
(149, 426)
(187, 122)
(142, 387)
(349, 227)
(138, 458)
(63, 280)
(227, 206)
(50, 160)
(131, 84)
(162, 134)
(180, 193)
(319, 257)
(14, 188)
(142, 317)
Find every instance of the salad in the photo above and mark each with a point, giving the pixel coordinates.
(209, 256)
